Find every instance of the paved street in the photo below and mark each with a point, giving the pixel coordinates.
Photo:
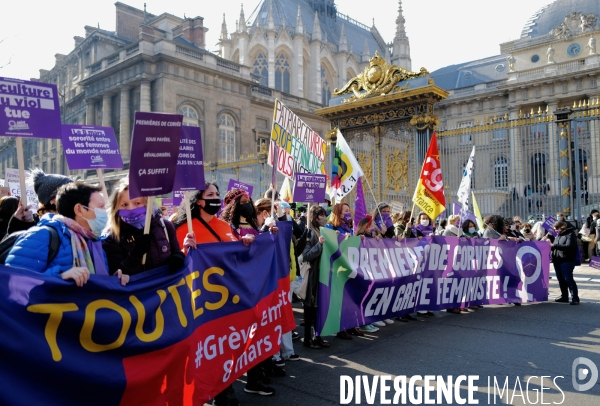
(498, 341)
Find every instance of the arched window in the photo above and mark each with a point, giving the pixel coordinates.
(226, 138)
(282, 74)
(190, 117)
(538, 171)
(326, 86)
(261, 69)
(501, 173)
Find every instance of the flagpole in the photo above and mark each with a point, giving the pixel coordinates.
(373, 194)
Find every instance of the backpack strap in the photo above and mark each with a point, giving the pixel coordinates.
(54, 243)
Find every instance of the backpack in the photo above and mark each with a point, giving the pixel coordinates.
(9, 241)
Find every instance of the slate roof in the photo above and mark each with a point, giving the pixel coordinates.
(288, 9)
(472, 73)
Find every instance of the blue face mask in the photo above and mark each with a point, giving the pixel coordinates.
(97, 224)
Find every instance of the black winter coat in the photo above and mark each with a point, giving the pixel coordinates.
(565, 246)
(120, 256)
(312, 254)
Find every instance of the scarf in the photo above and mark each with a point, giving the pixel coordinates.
(425, 230)
(81, 250)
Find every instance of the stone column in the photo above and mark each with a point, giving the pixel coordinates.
(516, 157)
(271, 57)
(145, 98)
(107, 110)
(90, 113)
(124, 125)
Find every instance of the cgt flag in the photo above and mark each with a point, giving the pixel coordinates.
(429, 194)
(345, 170)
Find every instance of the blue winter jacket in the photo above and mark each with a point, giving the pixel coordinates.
(31, 250)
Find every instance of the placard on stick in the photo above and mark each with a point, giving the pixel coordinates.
(91, 147)
(310, 188)
(154, 149)
(190, 166)
(28, 109)
(236, 184)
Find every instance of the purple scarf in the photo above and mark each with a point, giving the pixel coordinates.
(95, 247)
(425, 230)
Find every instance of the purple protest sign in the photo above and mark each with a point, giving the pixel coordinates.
(548, 225)
(154, 148)
(29, 109)
(168, 203)
(236, 184)
(365, 280)
(177, 197)
(190, 165)
(310, 188)
(595, 262)
(90, 147)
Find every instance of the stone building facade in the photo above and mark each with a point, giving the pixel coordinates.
(505, 105)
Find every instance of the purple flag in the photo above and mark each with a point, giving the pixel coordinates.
(457, 210)
(360, 207)
(89, 147)
(190, 165)
(29, 109)
(155, 148)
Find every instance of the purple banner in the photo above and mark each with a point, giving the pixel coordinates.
(177, 197)
(190, 165)
(595, 262)
(379, 279)
(236, 184)
(548, 225)
(168, 203)
(90, 147)
(155, 148)
(309, 188)
(29, 109)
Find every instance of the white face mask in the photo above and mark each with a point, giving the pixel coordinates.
(472, 230)
(513, 227)
(425, 223)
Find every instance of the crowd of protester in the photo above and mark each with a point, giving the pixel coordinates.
(76, 232)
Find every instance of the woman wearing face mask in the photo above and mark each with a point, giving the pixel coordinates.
(564, 253)
(207, 228)
(240, 213)
(424, 228)
(79, 223)
(383, 220)
(403, 226)
(469, 229)
(341, 219)
(312, 253)
(510, 230)
(126, 243)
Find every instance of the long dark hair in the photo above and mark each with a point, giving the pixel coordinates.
(497, 223)
(8, 207)
(231, 212)
(181, 217)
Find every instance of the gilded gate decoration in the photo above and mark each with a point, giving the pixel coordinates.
(397, 169)
(379, 78)
(387, 121)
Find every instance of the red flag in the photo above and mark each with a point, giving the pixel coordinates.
(429, 194)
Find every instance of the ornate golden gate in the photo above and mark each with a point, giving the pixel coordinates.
(386, 114)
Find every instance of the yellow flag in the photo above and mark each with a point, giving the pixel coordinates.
(477, 213)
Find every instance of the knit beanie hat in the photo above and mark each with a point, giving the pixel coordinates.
(45, 186)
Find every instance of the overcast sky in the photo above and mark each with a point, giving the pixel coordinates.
(441, 32)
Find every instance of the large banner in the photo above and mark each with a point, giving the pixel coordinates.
(362, 281)
(176, 339)
(300, 148)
